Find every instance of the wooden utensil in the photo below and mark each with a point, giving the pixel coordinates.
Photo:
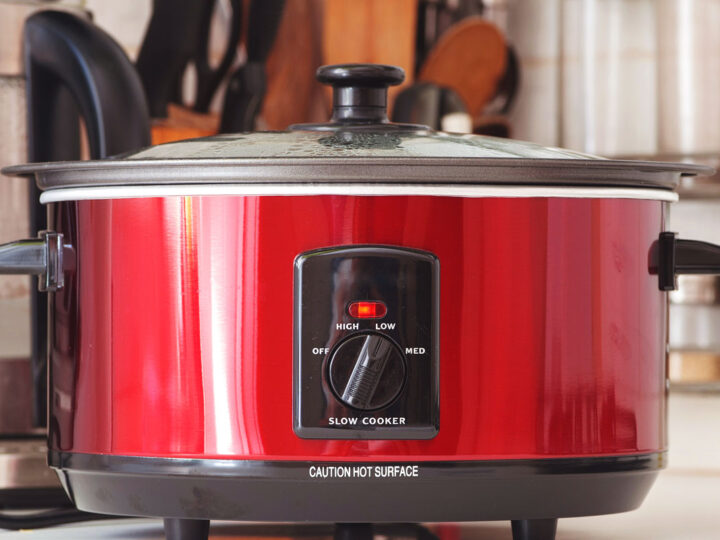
(183, 123)
(371, 31)
(470, 58)
(291, 86)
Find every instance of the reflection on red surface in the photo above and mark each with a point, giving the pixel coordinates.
(552, 328)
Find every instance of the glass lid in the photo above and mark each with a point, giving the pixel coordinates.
(348, 142)
(357, 145)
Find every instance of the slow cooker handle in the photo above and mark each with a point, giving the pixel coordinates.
(674, 256)
(42, 256)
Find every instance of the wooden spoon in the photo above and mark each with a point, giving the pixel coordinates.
(470, 57)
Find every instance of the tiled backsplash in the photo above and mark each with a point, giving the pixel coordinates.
(126, 21)
(697, 219)
(694, 422)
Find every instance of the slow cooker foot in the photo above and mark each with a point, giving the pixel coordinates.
(186, 529)
(534, 529)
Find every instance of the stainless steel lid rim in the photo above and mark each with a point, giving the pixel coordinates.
(353, 189)
(514, 171)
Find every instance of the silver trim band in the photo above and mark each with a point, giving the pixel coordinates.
(296, 190)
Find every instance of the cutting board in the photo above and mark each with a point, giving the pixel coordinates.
(292, 90)
(371, 31)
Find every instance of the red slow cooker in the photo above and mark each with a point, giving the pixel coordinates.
(357, 321)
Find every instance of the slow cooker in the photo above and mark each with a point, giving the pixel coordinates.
(357, 322)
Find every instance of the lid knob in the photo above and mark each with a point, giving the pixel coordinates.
(360, 91)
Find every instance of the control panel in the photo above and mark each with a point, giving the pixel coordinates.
(366, 362)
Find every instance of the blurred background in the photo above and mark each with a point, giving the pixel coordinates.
(619, 78)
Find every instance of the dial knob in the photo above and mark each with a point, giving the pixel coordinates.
(367, 371)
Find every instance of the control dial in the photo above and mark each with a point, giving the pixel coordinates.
(367, 371)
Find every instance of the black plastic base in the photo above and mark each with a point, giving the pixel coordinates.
(534, 529)
(338, 492)
(187, 529)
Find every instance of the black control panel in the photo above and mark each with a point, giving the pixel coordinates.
(366, 359)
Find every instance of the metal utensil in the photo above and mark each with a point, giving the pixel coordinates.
(434, 106)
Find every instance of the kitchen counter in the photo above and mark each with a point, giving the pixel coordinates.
(683, 505)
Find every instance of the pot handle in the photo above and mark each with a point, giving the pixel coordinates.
(673, 256)
(41, 256)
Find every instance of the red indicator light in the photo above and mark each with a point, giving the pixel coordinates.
(367, 310)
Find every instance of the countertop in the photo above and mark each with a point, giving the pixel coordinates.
(683, 505)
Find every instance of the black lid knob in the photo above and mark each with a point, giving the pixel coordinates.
(360, 90)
